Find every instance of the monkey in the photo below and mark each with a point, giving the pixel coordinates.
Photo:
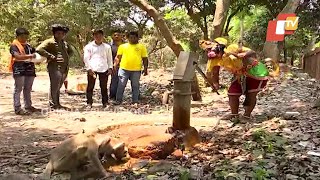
(79, 151)
(83, 150)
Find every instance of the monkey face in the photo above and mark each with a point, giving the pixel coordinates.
(120, 151)
(273, 67)
(205, 45)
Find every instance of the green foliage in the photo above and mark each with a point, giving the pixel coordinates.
(266, 142)
(181, 25)
(260, 173)
(184, 175)
(255, 23)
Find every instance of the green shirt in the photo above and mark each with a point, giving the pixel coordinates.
(51, 48)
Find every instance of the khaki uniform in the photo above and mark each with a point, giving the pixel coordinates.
(58, 71)
(50, 49)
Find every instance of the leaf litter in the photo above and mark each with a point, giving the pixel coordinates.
(282, 143)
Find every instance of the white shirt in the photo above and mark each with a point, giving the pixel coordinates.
(98, 58)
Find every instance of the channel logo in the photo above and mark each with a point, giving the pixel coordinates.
(285, 24)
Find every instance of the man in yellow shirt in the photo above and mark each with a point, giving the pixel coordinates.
(131, 57)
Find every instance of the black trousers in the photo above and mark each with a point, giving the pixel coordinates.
(103, 79)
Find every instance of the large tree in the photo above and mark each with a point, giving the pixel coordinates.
(161, 24)
(200, 12)
(220, 17)
(172, 42)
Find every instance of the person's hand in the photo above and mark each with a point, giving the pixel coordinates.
(32, 55)
(241, 55)
(145, 72)
(109, 72)
(91, 73)
(114, 70)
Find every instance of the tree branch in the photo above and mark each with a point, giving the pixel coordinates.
(226, 31)
(161, 24)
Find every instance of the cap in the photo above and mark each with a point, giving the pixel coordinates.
(221, 40)
(59, 27)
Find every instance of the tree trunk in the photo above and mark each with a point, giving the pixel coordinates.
(284, 50)
(271, 49)
(161, 24)
(226, 30)
(206, 31)
(292, 57)
(168, 36)
(220, 17)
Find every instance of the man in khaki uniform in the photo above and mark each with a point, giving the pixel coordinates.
(58, 53)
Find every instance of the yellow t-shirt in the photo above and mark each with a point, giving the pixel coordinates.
(132, 55)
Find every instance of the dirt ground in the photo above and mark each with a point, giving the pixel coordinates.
(30, 136)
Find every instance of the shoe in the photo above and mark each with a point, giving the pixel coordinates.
(60, 107)
(33, 109)
(64, 108)
(104, 105)
(22, 112)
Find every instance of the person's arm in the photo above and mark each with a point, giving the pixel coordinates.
(145, 65)
(250, 53)
(145, 60)
(109, 59)
(86, 57)
(117, 61)
(118, 57)
(18, 56)
(43, 50)
(70, 50)
(86, 60)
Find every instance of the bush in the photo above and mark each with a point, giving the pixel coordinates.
(4, 57)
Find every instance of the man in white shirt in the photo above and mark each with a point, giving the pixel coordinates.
(98, 62)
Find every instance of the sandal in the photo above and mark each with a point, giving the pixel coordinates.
(22, 112)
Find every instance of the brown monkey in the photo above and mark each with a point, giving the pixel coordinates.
(80, 155)
(76, 152)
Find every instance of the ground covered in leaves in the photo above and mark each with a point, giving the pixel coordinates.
(281, 143)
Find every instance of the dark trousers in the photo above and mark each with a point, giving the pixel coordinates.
(56, 81)
(103, 79)
(114, 85)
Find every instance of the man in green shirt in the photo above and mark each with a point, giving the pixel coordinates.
(58, 53)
